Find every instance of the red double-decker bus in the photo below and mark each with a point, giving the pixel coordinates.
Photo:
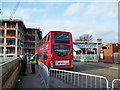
(55, 50)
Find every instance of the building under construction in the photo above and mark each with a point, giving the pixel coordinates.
(16, 39)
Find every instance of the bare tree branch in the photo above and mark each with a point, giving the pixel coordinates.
(85, 37)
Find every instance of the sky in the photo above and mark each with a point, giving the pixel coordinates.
(99, 19)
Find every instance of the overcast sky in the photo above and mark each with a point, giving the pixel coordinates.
(99, 19)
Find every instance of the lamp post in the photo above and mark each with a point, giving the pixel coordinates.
(94, 53)
(85, 47)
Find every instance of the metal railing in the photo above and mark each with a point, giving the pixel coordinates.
(77, 79)
(87, 57)
(44, 73)
(0, 76)
(56, 78)
(116, 58)
(116, 83)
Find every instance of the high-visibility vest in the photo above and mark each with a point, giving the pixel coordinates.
(20, 57)
(34, 61)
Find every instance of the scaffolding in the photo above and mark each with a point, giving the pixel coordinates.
(16, 39)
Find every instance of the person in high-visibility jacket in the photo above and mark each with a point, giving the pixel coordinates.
(23, 61)
(33, 62)
(20, 57)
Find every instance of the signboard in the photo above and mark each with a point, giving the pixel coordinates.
(101, 55)
(45, 47)
(58, 63)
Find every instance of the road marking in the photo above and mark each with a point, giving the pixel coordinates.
(113, 67)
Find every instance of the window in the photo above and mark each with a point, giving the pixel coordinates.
(104, 47)
(61, 50)
(43, 56)
(44, 40)
(62, 41)
(10, 56)
(101, 54)
(61, 36)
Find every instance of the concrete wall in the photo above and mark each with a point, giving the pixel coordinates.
(10, 73)
(11, 82)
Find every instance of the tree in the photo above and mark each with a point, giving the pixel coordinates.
(85, 37)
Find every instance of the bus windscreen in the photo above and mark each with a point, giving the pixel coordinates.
(61, 36)
(61, 50)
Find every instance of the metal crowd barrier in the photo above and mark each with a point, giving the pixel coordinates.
(56, 78)
(116, 58)
(78, 80)
(116, 83)
(0, 76)
(87, 57)
(44, 73)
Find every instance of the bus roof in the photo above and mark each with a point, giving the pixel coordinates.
(54, 32)
(57, 32)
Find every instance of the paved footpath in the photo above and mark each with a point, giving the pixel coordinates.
(30, 80)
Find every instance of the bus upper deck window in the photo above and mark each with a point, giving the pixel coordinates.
(61, 36)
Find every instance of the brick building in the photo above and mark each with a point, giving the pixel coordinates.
(16, 39)
(109, 53)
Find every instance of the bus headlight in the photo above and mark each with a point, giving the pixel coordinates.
(51, 55)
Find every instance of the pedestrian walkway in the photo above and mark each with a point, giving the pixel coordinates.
(30, 80)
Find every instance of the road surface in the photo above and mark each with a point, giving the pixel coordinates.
(110, 71)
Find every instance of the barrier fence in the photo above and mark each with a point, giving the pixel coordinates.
(56, 78)
(116, 58)
(87, 57)
(116, 83)
(44, 73)
(77, 79)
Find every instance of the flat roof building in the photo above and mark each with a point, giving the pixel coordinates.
(109, 53)
(16, 39)
(88, 47)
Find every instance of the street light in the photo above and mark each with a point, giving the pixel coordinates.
(85, 47)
